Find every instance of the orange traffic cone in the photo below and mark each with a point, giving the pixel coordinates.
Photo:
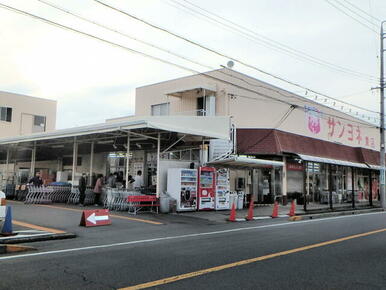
(292, 209)
(232, 216)
(275, 211)
(250, 210)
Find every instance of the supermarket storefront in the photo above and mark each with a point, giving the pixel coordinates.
(318, 174)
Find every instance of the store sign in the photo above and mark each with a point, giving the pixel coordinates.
(343, 131)
(294, 166)
(337, 129)
(313, 119)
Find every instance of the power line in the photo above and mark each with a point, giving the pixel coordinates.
(121, 33)
(282, 119)
(363, 11)
(162, 49)
(164, 61)
(226, 56)
(349, 15)
(158, 47)
(266, 41)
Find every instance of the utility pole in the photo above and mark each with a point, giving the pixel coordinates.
(382, 124)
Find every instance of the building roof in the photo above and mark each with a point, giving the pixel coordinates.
(27, 96)
(276, 142)
(209, 127)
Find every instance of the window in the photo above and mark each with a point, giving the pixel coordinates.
(6, 114)
(160, 109)
(200, 106)
(39, 124)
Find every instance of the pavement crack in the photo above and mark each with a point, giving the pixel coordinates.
(84, 278)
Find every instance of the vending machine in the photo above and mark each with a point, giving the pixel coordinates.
(182, 186)
(222, 190)
(206, 188)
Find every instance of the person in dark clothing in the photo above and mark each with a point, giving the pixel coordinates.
(82, 189)
(36, 180)
(98, 189)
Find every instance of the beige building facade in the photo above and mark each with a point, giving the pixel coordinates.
(23, 115)
(329, 156)
(253, 104)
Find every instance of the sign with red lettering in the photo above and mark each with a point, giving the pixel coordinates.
(96, 217)
(294, 166)
(338, 129)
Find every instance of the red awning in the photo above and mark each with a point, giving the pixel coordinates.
(276, 142)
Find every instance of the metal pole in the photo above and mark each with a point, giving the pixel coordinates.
(33, 161)
(330, 185)
(74, 160)
(91, 163)
(158, 164)
(127, 160)
(370, 189)
(352, 187)
(305, 185)
(284, 180)
(382, 125)
(7, 165)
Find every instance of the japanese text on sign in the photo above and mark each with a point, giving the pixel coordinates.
(347, 131)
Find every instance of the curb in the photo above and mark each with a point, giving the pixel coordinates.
(303, 216)
(48, 237)
(258, 218)
(7, 249)
(341, 213)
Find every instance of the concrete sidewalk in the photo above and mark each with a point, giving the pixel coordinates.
(222, 215)
(265, 211)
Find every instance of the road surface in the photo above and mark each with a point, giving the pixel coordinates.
(334, 253)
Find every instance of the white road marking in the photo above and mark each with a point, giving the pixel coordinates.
(182, 236)
(24, 236)
(30, 231)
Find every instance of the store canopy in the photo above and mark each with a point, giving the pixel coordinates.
(332, 161)
(244, 162)
(207, 127)
(179, 91)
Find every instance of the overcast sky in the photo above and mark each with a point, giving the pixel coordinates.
(92, 80)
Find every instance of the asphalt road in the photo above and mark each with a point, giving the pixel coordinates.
(132, 252)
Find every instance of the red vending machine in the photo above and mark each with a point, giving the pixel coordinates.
(206, 188)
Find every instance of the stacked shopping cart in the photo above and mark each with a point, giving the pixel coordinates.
(116, 199)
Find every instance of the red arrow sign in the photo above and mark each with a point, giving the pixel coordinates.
(97, 217)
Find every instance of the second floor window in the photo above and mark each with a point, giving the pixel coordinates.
(6, 114)
(160, 109)
(39, 124)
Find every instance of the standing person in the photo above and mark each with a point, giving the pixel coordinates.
(138, 181)
(98, 189)
(130, 183)
(112, 180)
(82, 189)
(36, 180)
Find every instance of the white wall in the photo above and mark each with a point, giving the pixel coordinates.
(22, 109)
(250, 109)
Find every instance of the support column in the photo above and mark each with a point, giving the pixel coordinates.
(305, 185)
(33, 161)
(370, 188)
(7, 165)
(127, 160)
(284, 180)
(91, 163)
(158, 164)
(352, 187)
(273, 183)
(330, 185)
(74, 160)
